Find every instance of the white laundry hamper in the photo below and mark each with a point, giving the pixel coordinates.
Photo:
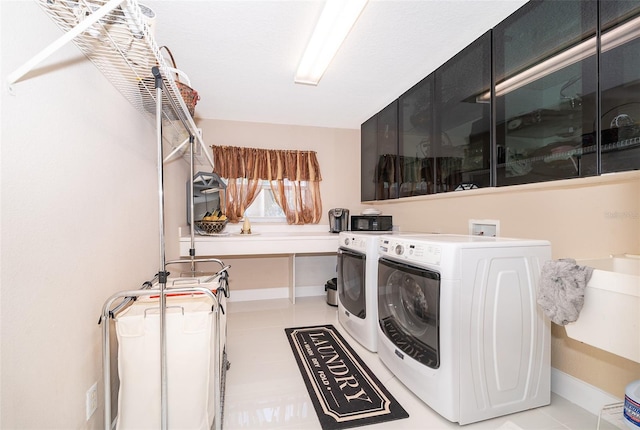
(190, 359)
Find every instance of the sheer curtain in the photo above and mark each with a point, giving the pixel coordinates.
(294, 177)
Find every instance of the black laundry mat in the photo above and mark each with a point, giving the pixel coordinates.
(343, 390)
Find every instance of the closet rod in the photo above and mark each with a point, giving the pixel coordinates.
(162, 273)
(192, 249)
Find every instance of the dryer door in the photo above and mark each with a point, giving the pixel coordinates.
(351, 281)
(409, 309)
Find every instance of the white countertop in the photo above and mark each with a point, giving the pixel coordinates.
(266, 239)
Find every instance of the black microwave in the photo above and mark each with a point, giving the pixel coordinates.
(371, 223)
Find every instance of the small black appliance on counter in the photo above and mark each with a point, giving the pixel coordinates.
(371, 223)
(338, 220)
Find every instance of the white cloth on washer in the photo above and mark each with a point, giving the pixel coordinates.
(561, 289)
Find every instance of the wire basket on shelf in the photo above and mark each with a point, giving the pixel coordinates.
(189, 95)
(210, 227)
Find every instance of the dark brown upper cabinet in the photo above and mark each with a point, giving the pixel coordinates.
(620, 85)
(552, 92)
(546, 92)
(379, 155)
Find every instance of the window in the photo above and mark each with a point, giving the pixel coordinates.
(289, 178)
(264, 208)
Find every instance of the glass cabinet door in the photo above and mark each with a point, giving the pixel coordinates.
(546, 92)
(379, 155)
(368, 159)
(387, 167)
(620, 85)
(417, 173)
(462, 151)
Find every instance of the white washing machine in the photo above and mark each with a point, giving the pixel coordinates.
(459, 324)
(358, 285)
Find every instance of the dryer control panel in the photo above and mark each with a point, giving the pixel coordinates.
(419, 252)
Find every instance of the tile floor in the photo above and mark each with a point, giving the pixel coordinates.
(265, 389)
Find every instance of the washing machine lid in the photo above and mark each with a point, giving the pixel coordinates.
(470, 241)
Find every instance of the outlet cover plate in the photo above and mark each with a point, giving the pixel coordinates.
(92, 400)
(484, 227)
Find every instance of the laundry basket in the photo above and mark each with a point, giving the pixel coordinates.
(191, 371)
(191, 328)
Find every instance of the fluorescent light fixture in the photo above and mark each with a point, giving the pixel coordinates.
(336, 20)
(608, 41)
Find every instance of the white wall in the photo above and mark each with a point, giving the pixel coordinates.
(79, 222)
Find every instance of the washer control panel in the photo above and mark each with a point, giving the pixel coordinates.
(410, 250)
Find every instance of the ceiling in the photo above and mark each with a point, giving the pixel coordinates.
(241, 55)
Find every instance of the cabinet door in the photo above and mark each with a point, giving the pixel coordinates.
(417, 173)
(546, 92)
(462, 150)
(368, 159)
(620, 85)
(387, 170)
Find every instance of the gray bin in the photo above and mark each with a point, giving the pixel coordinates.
(331, 287)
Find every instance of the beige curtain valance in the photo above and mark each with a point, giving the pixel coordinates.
(266, 164)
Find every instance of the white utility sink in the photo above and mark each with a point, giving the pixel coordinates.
(610, 318)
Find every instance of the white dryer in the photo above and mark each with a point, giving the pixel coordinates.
(459, 324)
(358, 285)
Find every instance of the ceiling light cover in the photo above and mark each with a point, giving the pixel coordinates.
(336, 20)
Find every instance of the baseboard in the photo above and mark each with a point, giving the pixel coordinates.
(579, 392)
(273, 293)
(258, 294)
(310, 291)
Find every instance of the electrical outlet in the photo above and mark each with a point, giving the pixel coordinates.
(92, 400)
